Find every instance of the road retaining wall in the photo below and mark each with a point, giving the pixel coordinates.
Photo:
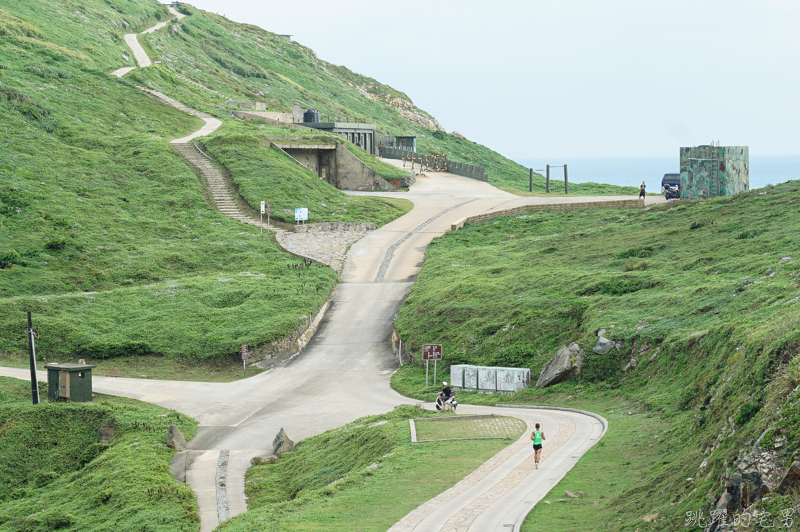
(334, 226)
(610, 204)
(270, 354)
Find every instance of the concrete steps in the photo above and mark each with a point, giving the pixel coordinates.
(220, 193)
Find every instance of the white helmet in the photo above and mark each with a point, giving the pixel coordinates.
(444, 383)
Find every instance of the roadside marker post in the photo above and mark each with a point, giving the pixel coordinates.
(32, 348)
(262, 219)
(431, 352)
(245, 356)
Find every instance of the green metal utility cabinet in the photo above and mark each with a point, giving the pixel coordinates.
(69, 382)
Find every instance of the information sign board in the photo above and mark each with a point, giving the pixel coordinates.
(245, 353)
(432, 352)
(263, 210)
(300, 214)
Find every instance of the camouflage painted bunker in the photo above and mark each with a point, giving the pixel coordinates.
(711, 171)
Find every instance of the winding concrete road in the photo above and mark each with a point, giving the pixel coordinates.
(344, 371)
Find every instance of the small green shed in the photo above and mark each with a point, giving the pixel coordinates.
(69, 383)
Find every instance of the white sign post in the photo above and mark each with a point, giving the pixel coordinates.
(262, 218)
(300, 214)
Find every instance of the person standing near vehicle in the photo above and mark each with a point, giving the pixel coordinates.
(537, 436)
(641, 190)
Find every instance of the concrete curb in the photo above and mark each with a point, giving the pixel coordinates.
(414, 439)
(598, 417)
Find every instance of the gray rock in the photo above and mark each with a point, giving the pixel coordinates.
(601, 332)
(565, 364)
(175, 438)
(603, 346)
(106, 434)
(630, 365)
(753, 488)
(570, 494)
(281, 443)
(790, 480)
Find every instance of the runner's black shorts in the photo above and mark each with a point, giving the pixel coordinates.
(537, 446)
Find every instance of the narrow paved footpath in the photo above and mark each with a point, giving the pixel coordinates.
(498, 495)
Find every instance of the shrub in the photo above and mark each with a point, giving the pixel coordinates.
(747, 412)
(56, 244)
(640, 252)
(9, 258)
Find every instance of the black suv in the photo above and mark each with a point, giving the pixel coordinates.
(671, 186)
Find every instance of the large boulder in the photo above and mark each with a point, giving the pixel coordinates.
(603, 346)
(565, 364)
(175, 438)
(281, 443)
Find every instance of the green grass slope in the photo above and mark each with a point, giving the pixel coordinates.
(705, 295)
(105, 233)
(364, 476)
(55, 476)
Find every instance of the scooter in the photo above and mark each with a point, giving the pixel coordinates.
(441, 404)
(671, 192)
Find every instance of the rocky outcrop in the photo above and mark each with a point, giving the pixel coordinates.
(630, 365)
(565, 364)
(175, 438)
(791, 479)
(282, 443)
(603, 346)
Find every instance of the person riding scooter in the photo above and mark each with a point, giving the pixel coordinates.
(445, 396)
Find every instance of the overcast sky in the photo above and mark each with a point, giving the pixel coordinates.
(574, 78)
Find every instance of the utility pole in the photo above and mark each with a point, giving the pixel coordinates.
(566, 183)
(530, 181)
(34, 381)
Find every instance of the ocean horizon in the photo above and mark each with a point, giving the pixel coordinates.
(631, 171)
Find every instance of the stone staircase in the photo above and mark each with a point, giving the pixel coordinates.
(216, 184)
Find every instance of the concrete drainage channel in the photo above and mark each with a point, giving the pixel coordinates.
(390, 252)
(222, 488)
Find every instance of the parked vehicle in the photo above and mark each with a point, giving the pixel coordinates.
(671, 186)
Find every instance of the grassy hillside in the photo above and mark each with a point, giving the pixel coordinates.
(105, 233)
(55, 476)
(363, 476)
(705, 295)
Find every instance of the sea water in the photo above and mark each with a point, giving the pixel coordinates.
(631, 171)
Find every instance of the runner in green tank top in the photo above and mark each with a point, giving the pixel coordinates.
(537, 436)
